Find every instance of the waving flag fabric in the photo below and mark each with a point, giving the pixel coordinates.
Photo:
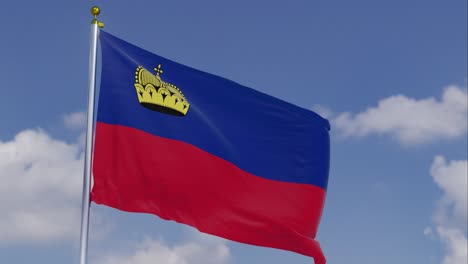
(204, 151)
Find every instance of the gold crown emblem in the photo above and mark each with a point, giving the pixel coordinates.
(155, 94)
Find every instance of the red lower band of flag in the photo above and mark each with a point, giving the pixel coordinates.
(136, 171)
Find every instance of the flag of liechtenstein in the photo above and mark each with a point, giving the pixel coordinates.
(204, 151)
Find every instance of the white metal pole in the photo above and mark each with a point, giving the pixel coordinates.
(89, 137)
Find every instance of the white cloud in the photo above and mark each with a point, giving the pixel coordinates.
(452, 178)
(410, 120)
(322, 111)
(456, 245)
(75, 120)
(451, 211)
(40, 190)
(202, 249)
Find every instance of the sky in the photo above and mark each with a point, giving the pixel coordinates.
(391, 76)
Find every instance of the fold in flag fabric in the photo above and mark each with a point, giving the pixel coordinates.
(204, 151)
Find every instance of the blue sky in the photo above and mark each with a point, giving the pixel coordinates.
(391, 76)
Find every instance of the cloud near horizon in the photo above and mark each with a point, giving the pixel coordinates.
(200, 249)
(41, 188)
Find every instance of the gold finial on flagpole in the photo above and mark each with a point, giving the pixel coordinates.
(95, 11)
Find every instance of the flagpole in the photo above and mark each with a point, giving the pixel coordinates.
(95, 24)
